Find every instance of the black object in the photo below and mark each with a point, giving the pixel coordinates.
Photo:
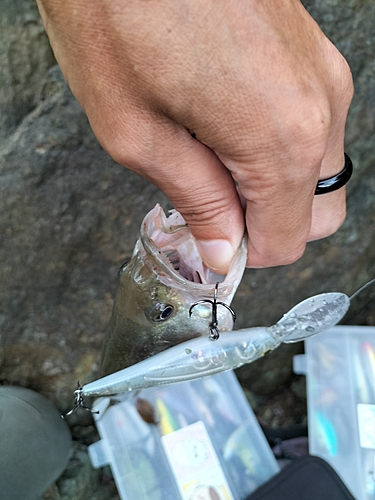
(337, 181)
(274, 436)
(307, 478)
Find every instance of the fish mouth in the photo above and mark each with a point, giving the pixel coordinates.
(172, 247)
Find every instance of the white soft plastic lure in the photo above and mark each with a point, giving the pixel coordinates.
(201, 357)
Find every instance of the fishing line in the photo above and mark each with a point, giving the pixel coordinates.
(361, 289)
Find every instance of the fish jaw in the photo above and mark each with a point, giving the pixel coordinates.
(163, 236)
(152, 280)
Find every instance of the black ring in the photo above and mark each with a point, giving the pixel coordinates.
(337, 181)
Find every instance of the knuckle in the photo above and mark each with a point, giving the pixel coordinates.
(332, 226)
(294, 254)
(127, 152)
(127, 139)
(329, 216)
(342, 81)
(338, 75)
(310, 129)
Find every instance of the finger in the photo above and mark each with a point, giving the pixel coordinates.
(284, 216)
(329, 210)
(203, 191)
(287, 214)
(278, 221)
(195, 180)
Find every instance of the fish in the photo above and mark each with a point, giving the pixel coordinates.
(165, 277)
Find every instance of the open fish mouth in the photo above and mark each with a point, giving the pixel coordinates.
(170, 242)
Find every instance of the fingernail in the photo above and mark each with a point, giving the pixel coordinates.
(216, 254)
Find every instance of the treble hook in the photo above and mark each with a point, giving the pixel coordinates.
(214, 332)
(79, 402)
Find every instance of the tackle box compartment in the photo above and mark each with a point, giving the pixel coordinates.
(185, 441)
(340, 375)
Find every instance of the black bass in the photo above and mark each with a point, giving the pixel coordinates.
(163, 279)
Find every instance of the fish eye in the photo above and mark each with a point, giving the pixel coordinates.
(161, 312)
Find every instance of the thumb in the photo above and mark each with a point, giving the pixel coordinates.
(202, 189)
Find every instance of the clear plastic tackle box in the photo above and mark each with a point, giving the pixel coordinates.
(340, 369)
(189, 441)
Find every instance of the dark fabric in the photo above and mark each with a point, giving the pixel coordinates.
(307, 478)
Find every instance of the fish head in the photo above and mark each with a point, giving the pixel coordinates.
(158, 286)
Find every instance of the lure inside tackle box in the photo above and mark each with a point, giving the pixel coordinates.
(340, 368)
(186, 441)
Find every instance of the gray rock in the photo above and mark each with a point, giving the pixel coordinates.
(25, 56)
(70, 217)
(80, 480)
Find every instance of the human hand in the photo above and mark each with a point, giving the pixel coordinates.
(264, 91)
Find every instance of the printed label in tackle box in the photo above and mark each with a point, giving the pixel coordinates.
(195, 464)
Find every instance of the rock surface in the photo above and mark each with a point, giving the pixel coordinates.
(69, 216)
(25, 56)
